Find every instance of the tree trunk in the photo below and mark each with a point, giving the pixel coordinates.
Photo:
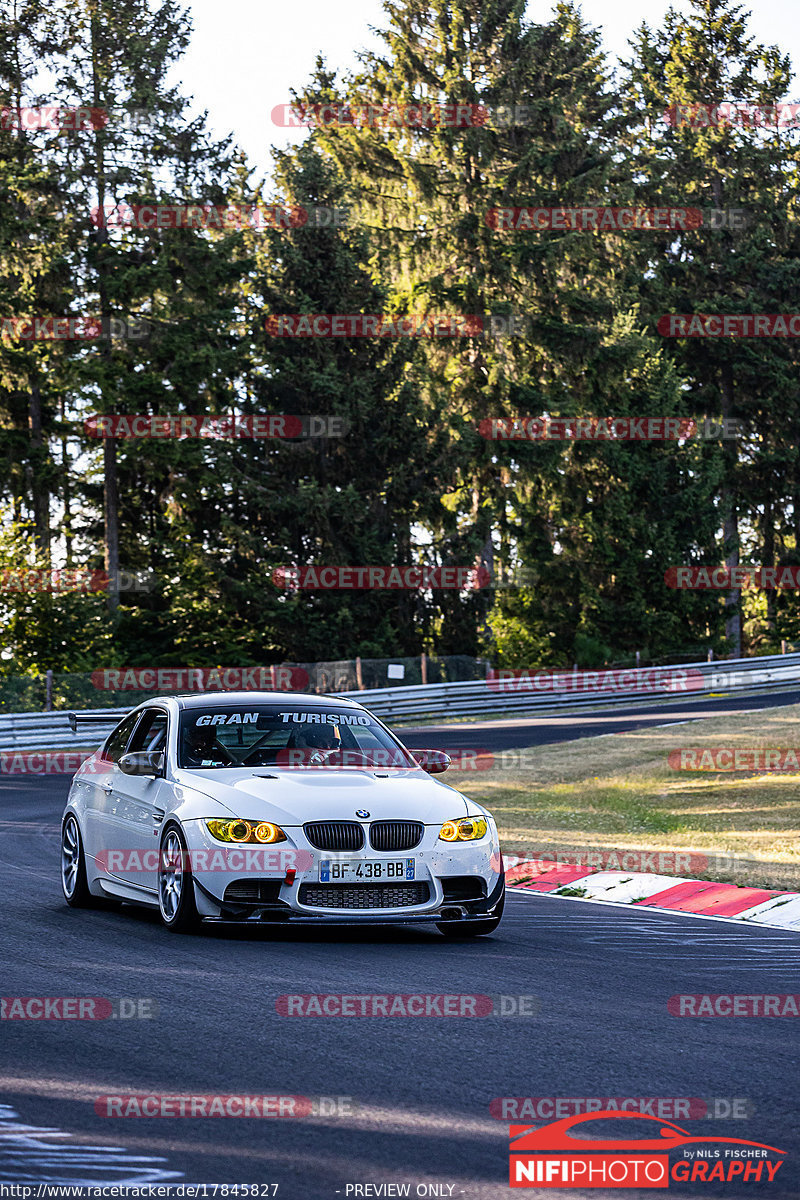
(730, 525)
(768, 559)
(110, 485)
(66, 494)
(37, 477)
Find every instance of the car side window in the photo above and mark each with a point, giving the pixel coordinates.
(115, 746)
(151, 732)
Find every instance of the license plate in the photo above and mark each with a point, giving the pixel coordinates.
(357, 870)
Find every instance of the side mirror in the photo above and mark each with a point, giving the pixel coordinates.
(143, 762)
(432, 761)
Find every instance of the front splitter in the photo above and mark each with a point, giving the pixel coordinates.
(313, 919)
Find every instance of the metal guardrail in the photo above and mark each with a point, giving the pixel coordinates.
(403, 705)
(51, 730)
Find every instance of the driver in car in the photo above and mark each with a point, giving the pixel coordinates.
(201, 748)
(319, 739)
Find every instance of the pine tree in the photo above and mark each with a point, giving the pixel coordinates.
(692, 65)
(426, 192)
(35, 279)
(347, 500)
(143, 150)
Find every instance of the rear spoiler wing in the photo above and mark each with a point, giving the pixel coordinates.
(91, 719)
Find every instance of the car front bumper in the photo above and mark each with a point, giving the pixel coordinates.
(463, 882)
(282, 914)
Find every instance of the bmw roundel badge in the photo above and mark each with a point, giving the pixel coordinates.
(361, 812)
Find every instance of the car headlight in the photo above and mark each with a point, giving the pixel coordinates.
(238, 830)
(466, 829)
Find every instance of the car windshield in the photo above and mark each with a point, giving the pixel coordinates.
(285, 735)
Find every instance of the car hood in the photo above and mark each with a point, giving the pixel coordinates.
(292, 797)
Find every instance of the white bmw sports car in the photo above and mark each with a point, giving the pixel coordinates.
(277, 807)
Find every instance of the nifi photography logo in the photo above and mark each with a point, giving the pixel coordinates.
(575, 1152)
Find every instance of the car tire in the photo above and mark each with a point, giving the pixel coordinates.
(468, 929)
(74, 883)
(176, 904)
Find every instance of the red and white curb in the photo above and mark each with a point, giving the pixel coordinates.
(645, 890)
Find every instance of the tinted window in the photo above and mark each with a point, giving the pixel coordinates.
(151, 732)
(290, 734)
(115, 746)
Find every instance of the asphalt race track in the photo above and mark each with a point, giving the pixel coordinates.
(414, 1092)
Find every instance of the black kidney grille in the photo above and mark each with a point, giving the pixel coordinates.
(361, 896)
(395, 835)
(335, 835)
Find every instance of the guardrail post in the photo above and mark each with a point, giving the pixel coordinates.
(48, 692)
(359, 679)
(711, 656)
(783, 645)
(423, 666)
(638, 660)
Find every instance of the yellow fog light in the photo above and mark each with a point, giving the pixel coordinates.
(468, 829)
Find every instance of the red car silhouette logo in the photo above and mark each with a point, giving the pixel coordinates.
(525, 1139)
